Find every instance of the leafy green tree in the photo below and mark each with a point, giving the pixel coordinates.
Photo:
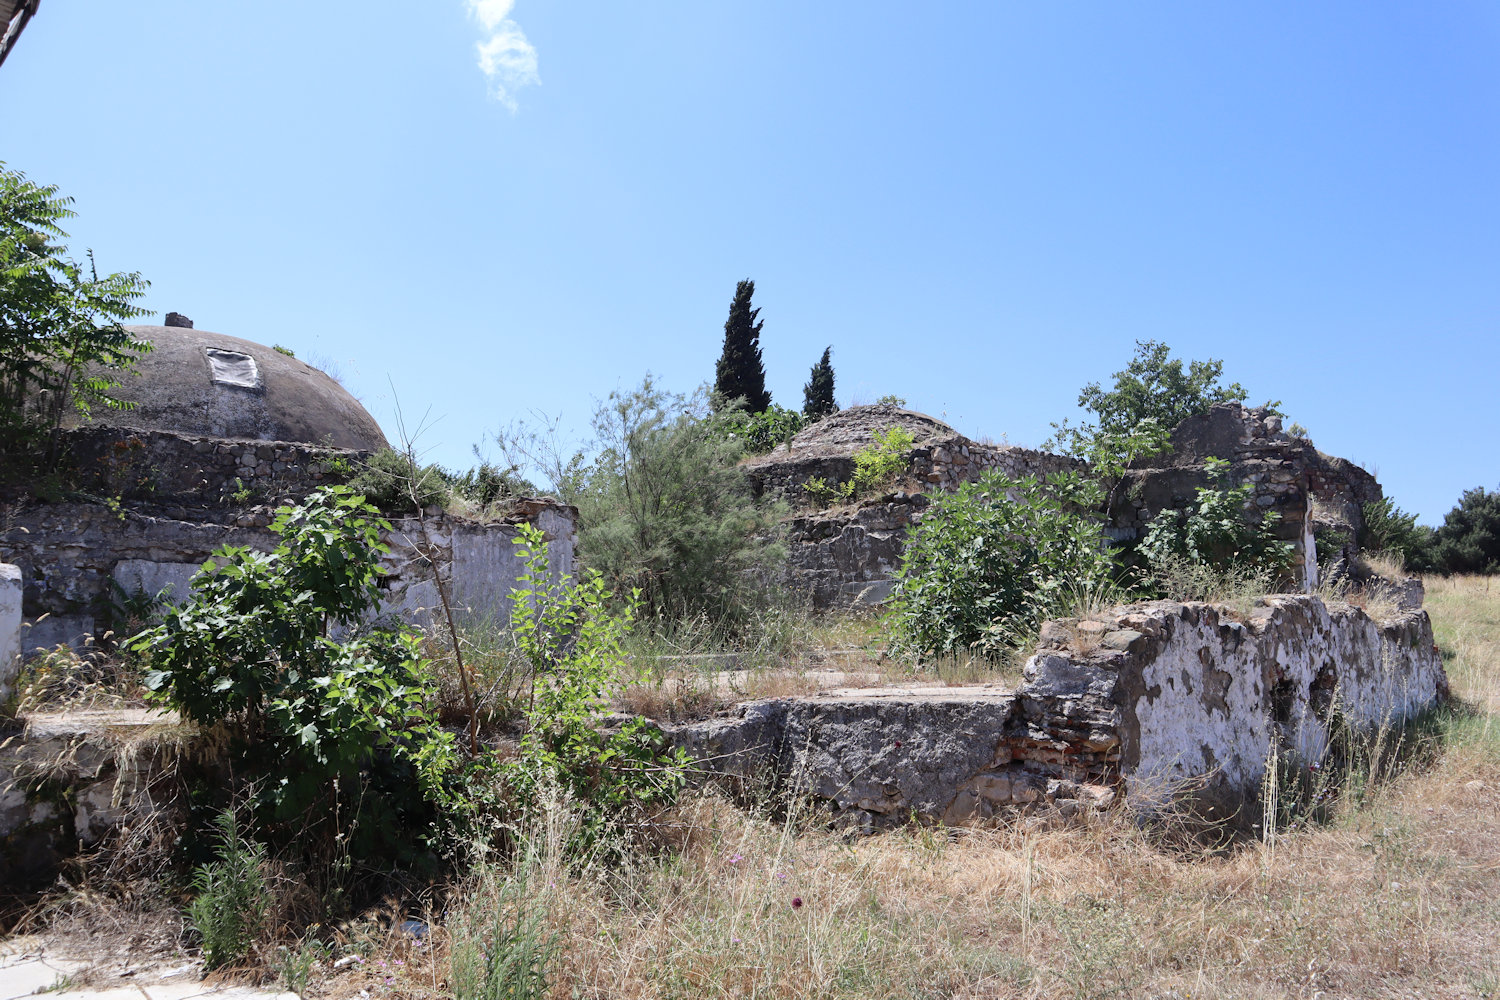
(988, 563)
(663, 506)
(741, 374)
(817, 395)
(1388, 528)
(1135, 419)
(62, 342)
(318, 720)
(1468, 541)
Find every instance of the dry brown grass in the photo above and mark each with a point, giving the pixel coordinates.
(1396, 897)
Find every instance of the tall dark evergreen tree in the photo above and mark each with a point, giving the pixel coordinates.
(817, 395)
(740, 373)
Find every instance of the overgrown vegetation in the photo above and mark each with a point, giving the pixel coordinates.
(664, 509)
(573, 640)
(62, 343)
(328, 715)
(1135, 418)
(876, 467)
(991, 561)
(1193, 552)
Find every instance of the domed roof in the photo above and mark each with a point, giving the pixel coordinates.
(207, 384)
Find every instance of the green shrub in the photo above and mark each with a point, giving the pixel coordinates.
(572, 639)
(1388, 528)
(314, 721)
(664, 509)
(1216, 532)
(487, 484)
(764, 431)
(1468, 541)
(988, 563)
(876, 467)
(230, 897)
(396, 484)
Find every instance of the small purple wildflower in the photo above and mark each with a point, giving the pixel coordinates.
(796, 902)
(781, 876)
(736, 858)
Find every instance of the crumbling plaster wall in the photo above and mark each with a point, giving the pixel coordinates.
(70, 554)
(10, 627)
(1199, 697)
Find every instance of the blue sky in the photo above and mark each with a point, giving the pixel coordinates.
(508, 207)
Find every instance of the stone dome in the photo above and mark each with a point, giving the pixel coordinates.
(204, 384)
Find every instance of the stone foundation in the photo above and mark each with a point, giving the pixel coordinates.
(1153, 702)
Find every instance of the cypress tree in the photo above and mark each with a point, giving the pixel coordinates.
(740, 372)
(817, 395)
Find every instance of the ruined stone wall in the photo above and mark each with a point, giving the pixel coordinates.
(1311, 492)
(176, 470)
(947, 465)
(850, 557)
(1155, 700)
(72, 556)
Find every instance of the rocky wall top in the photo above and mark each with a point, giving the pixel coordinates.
(165, 468)
(940, 457)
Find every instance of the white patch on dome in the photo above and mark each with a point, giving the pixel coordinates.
(233, 368)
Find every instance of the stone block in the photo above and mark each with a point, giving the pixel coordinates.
(10, 627)
(169, 580)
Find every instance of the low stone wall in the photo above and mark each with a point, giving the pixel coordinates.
(949, 464)
(73, 556)
(68, 782)
(168, 468)
(1157, 701)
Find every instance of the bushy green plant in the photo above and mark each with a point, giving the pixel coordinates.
(315, 720)
(761, 432)
(395, 483)
(571, 635)
(665, 509)
(876, 466)
(991, 561)
(487, 484)
(230, 896)
(1216, 531)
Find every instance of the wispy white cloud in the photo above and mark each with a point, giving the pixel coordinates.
(506, 58)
